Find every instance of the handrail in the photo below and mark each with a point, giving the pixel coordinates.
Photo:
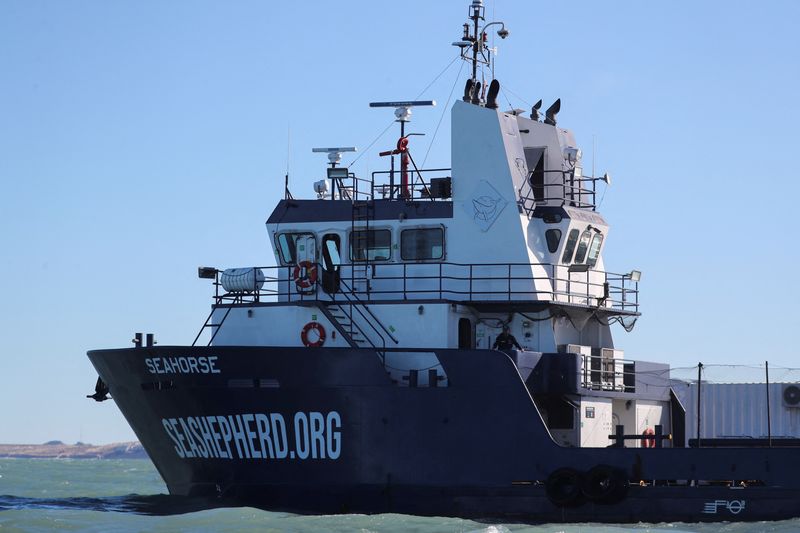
(394, 189)
(350, 293)
(466, 282)
(573, 193)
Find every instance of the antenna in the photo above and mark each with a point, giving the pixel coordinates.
(403, 109)
(286, 194)
(403, 113)
(335, 153)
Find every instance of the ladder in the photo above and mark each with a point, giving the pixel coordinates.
(209, 324)
(363, 214)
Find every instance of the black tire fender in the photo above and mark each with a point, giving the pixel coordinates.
(564, 487)
(605, 484)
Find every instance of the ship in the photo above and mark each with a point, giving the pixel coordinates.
(439, 342)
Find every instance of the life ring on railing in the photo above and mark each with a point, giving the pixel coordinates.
(312, 331)
(304, 275)
(647, 438)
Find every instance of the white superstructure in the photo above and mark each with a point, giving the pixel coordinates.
(415, 259)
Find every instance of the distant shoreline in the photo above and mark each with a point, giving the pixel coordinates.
(59, 450)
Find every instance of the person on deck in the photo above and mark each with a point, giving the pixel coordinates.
(505, 341)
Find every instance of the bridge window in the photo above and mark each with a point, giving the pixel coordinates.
(289, 244)
(553, 238)
(594, 249)
(371, 245)
(422, 244)
(583, 245)
(569, 249)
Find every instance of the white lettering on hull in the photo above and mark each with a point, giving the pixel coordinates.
(182, 365)
(256, 436)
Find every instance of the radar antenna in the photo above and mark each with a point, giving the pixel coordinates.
(402, 112)
(334, 154)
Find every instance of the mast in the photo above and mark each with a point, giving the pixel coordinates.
(477, 45)
(475, 37)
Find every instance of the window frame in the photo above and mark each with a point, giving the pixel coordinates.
(593, 261)
(553, 231)
(279, 248)
(585, 242)
(328, 262)
(351, 249)
(425, 228)
(565, 258)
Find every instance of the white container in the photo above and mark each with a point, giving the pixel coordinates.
(242, 279)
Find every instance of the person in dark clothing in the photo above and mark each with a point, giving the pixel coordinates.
(505, 341)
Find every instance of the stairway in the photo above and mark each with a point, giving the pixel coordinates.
(342, 318)
(341, 314)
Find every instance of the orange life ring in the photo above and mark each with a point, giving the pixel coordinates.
(319, 332)
(647, 440)
(305, 275)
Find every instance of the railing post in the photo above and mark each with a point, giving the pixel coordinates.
(405, 296)
(624, 292)
(699, 381)
(619, 440)
(440, 281)
(569, 286)
(509, 282)
(588, 288)
(470, 282)
(769, 418)
(391, 178)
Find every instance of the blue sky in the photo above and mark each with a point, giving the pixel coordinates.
(139, 140)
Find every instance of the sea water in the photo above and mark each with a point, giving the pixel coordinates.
(128, 495)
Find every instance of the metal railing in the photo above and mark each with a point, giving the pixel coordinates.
(558, 187)
(418, 187)
(386, 184)
(599, 372)
(475, 282)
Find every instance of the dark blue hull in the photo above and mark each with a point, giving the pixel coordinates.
(326, 430)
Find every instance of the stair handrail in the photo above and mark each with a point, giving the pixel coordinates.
(351, 296)
(207, 325)
(338, 325)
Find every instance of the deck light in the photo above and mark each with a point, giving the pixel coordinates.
(635, 275)
(578, 267)
(321, 188)
(572, 154)
(206, 272)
